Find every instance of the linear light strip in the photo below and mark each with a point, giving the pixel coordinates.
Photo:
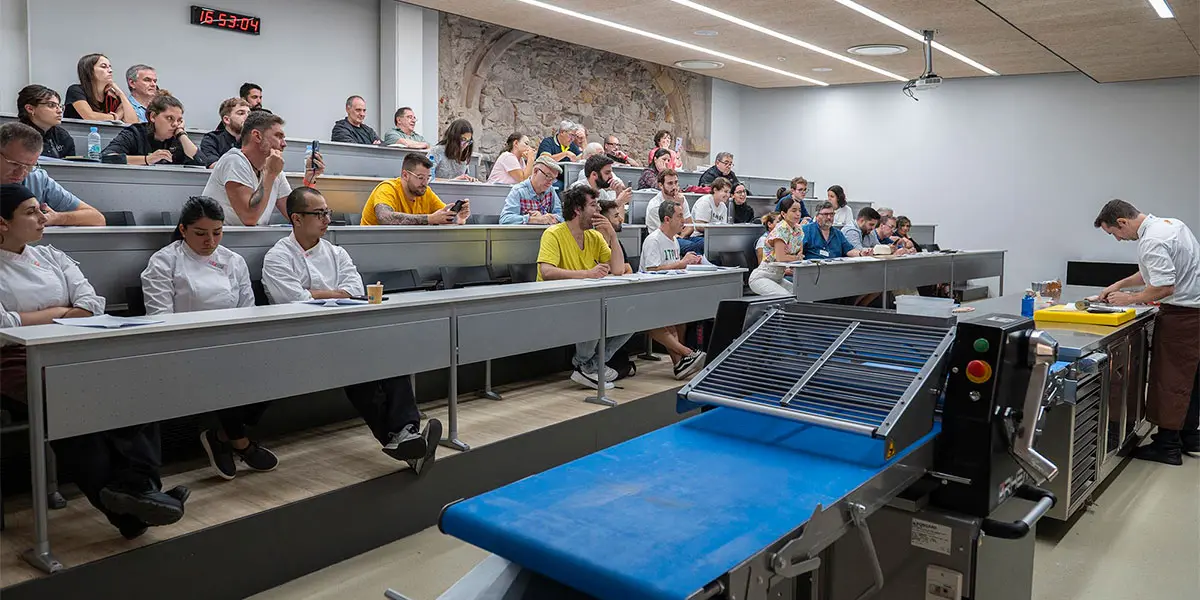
(910, 33)
(674, 42)
(787, 38)
(1163, 10)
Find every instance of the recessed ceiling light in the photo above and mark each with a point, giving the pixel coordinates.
(1160, 7)
(699, 65)
(822, 69)
(912, 34)
(787, 38)
(667, 40)
(706, 32)
(877, 49)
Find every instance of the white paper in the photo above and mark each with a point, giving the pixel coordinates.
(703, 267)
(335, 302)
(108, 321)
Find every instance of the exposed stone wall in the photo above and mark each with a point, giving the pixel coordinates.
(506, 81)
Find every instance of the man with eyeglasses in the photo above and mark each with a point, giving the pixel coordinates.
(408, 199)
(304, 266)
(534, 201)
(404, 135)
(612, 149)
(822, 240)
(20, 146)
(722, 168)
(799, 191)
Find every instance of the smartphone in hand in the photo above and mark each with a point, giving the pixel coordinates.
(458, 206)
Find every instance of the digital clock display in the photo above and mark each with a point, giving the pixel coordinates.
(223, 19)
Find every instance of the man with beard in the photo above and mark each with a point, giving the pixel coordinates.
(598, 175)
(408, 199)
(227, 135)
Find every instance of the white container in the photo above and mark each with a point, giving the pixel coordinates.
(924, 306)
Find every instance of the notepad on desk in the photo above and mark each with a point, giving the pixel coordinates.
(108, 321)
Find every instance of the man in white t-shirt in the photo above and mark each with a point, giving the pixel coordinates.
(1169, 271)
(249, 181)
(669, 190)
(712, 208)
(660, 252)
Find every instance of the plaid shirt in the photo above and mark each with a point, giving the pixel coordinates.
(522, 200)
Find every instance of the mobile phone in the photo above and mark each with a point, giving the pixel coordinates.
(458, 206)
(316, 147)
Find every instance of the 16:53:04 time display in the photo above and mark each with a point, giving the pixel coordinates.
(223, 19)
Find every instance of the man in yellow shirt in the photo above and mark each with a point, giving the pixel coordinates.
(407, 200)
(583, 246)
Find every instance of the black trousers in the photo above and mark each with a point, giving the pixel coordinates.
(386, 405)
(235, 420)
(1191, 422)
(128, 459)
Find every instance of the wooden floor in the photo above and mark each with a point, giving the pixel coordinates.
(311, 463)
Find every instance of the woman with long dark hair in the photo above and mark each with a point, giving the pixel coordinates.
(844, 215)
(96, 97)
(665, 141)
(742, 211)
(161, 139)
(515, 164)
(660, 161)
(192, 273)
(452, 155)
(40, 107)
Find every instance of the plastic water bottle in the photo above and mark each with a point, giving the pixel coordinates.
(93, 148)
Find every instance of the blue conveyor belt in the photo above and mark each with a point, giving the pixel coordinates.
(664, 514)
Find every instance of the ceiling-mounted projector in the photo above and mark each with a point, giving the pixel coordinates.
(928, 80)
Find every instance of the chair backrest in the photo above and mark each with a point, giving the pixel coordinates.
(169, 218)
(135, 301)
(635, 262)
(119, 218)
(405, 280)
(456, 277)
(260, 293)
(525, 273)
(489, 219)
(1099, 274)
(733, 259)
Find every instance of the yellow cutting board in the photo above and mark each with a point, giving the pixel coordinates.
(1065, 313)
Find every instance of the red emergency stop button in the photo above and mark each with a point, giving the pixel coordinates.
(978, 371)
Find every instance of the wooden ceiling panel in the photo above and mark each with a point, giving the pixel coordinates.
(1110, 40)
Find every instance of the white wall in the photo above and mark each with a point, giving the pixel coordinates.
(408, 64)
(726, 120)
(311, 54)
(1019, 163)
(14, 54)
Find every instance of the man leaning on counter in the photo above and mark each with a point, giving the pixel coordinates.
(1169, 268)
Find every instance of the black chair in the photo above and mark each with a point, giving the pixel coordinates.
(733, 259)
(634, 262)
(488, 219)
(260, 293)
(459, 277)
(119, 218)
(135, 302)
(500, 273)
(169, 218)
(394, 282)
(523, 273)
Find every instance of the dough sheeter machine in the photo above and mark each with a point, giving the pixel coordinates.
(819, 469)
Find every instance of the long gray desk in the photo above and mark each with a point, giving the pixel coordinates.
(825, 280)
(340, 158)
(631, 175)
(113, 258)
(79, 379)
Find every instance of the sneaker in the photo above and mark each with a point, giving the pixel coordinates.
(406, 444)
(589, 380)
(220, 454)
(689, 365)
(1191, 442)
(257, 458)
(150, 507)
(433, 436)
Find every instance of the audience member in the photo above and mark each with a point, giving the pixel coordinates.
(584, 246)
(598, 174)
(452, 155)
(248, 181)
(404, 134)
(39, 107)
(712, 208)
(161, 139)
(768, 222)
(228, 134)
(615, 213)
(253, 95)
(660, 252)
(193, 273)
(823, 240)
(118, 470)
(612, 147)
(305, 266)
(799, 191)
(515, 164)
(534, 200)
(561, 146)
(143, 87)
(653, 173)
(784, 245)
(903, 226)
(722, 168)
(884, 213)
(408, 199)
(663, 140)
(579, 135)
(352, 129)
(844, 215)
(669, 190)
(95, 97)
(742, 211)
(861, 234)
(590, 150)
(20, 146)
(887, 234)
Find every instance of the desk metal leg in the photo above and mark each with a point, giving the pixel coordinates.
(602, 380)
(450, 440)
(39, 555)
(487, 382)
(648, 353)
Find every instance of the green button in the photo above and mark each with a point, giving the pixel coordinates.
(982, 345)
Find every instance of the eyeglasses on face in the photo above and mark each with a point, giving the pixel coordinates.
(824, 213)
(20, 166)
(543, 173)
(320, 214)
(422, 178)
(728, 163)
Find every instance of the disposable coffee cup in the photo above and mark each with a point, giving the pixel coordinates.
(375, 293)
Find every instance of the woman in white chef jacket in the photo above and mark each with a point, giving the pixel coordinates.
(118, 470)
(195, 272)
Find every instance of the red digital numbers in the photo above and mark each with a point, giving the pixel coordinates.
(225, 20)
(206, 17)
